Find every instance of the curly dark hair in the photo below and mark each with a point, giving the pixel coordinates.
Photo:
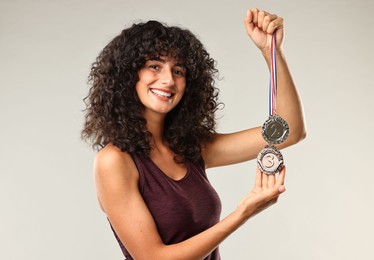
(114, 111)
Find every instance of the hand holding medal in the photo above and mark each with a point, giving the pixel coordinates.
(275, 129)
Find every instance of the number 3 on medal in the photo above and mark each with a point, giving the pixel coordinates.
(269, 161)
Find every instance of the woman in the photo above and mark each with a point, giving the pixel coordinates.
(150, 110)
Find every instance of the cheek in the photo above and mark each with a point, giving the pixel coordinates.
(143, 81)
(182, 85)
(137, 89)
(145, 75)
(140, 92)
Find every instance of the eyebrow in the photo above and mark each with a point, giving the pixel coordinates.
(164, 61)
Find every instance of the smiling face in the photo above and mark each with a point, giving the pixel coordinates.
(161, 85)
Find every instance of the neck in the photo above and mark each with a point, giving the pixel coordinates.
(160, 148)
(155, 124)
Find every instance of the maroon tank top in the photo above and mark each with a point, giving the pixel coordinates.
(180, 209)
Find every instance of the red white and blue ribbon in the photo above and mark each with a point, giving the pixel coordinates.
(273, 79)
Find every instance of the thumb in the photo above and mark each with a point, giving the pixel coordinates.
(281, 189)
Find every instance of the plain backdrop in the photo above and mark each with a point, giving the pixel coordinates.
(48, 207)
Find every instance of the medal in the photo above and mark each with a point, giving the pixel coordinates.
(270, 160)
(275, 130)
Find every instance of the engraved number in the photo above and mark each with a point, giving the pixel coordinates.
(269, 161)
(276, 130)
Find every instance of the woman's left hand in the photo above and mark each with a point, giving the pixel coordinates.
(261, 25)
(265, 193)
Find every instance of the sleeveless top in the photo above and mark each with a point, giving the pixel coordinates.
(180, 209)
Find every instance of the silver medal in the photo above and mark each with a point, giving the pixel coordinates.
(270, 160)
(275, 130)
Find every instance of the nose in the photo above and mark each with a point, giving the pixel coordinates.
(167, 77)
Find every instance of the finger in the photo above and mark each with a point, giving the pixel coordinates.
(281, 189)
(280, 181)
(281, 176)
(260, 18)
(248, 22)
(266, 21)
(249, 17)
(264, 181)
(254, 12)
(274, 25)
(258, 181)
(271, 181)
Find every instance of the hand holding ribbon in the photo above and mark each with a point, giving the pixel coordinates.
(261, 26)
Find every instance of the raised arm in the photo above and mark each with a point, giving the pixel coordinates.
(118, 192)
(245, 145)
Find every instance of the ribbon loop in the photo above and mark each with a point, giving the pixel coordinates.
(273, 86)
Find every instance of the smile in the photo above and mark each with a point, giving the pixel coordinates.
(161, 93)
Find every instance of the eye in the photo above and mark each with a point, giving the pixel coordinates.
(154, 66)
(179, 72)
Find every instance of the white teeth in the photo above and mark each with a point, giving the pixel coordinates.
(161, 93)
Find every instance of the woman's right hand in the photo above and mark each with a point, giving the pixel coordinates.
(265, 193)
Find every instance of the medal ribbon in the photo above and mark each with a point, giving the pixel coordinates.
(273, 86)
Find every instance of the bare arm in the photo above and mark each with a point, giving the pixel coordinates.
(245, 145)
(117, 189)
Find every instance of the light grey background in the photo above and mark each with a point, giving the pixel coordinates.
(47, 196)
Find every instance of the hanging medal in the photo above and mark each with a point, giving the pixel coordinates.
(275, 130)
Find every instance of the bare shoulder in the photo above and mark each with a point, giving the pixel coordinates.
(112, 161)
(115, 174)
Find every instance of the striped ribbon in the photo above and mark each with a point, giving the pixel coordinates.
(273, 79)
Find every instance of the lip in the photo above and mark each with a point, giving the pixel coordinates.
(160, 93)
(163, 90)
